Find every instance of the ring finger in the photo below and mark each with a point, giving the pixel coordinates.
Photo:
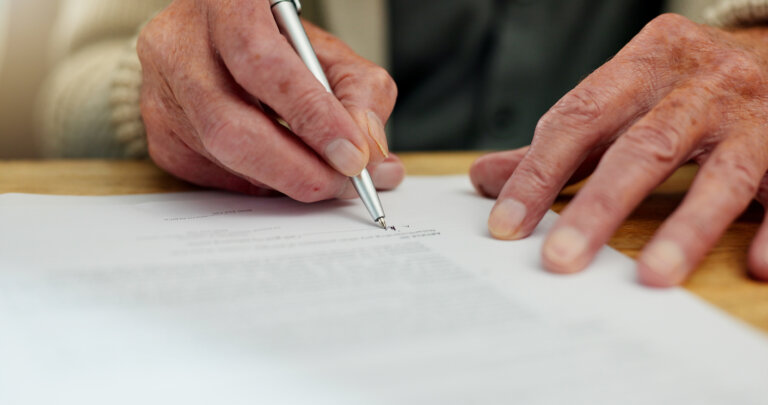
(637, 162)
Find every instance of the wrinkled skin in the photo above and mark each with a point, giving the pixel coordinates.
(677, 92)
(209, 65)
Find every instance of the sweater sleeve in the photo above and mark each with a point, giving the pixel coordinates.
(89, 104)
(737, 13)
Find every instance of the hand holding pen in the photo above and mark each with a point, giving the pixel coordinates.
(286, 14)
(208, 64)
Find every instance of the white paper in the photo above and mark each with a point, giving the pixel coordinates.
(207, 297)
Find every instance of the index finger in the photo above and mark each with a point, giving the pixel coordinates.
(262, 61)
(366, 90)
(589, 117)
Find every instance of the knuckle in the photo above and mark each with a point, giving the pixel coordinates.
(537, 176)
(670, 24)
(692, 224)
(148, 41)
(740, 178)
(579, 107)
(160, 35)
(676, 33)
(606, 203)
(256, 54)
(143, 45)
(221, 138)
(217, 129)
(741, 68)
(384, 82)
(654, 144)
(667, 21)
(311, 113)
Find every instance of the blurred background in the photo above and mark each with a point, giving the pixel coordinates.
(25, 36)
(25, 27)
(3, 25)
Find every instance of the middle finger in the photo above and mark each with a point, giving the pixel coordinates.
(587, 118)
(637, 162)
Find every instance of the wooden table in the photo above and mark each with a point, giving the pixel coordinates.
(721, 279)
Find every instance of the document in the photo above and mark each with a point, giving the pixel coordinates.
(209, 297)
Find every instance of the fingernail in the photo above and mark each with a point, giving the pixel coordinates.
(387, 175)
(377, 133)
(666, 261)
(345, 157)
(564, 247)
(506, 218)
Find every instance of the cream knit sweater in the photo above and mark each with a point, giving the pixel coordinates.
(89, 106)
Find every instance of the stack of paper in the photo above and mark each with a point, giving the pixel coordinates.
(206, 297)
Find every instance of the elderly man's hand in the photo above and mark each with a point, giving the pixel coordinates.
(209, 65)
(677, 92)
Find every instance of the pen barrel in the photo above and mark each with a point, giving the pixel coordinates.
(287, 18)
(289, 23)
(368, 195)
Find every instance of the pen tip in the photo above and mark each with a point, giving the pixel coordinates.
(382, 223)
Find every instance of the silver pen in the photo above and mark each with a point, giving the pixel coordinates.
(286, 13)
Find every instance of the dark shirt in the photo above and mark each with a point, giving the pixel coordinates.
(478, 74)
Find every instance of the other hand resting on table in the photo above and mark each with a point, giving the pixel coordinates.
(678, 91)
